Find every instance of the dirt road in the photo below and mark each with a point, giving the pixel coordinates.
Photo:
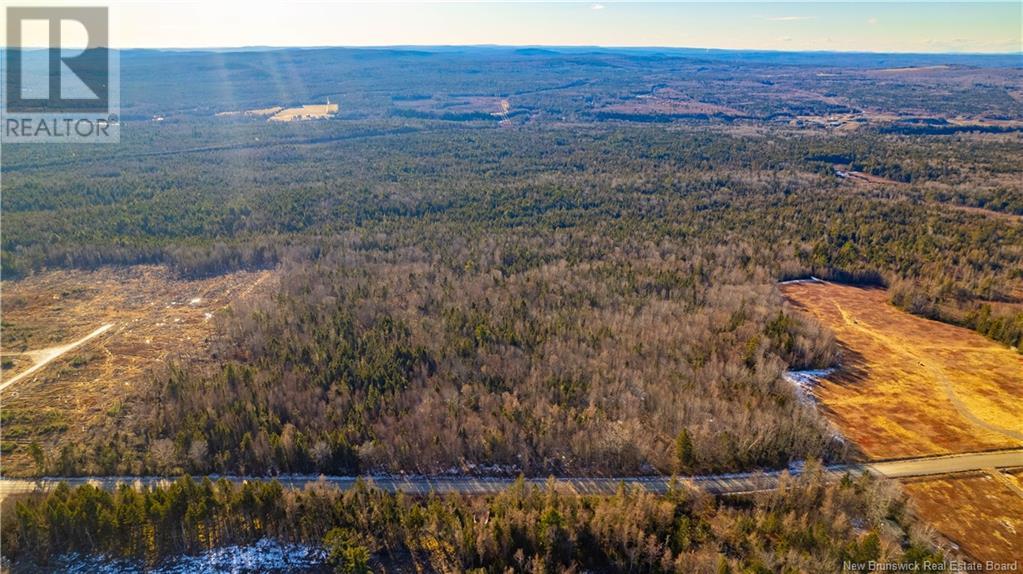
(43, 357)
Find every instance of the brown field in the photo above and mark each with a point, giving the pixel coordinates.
(282, 114)
(852, 121)
(154, 319)
(981, 514)
(910, 386)
(306, 112)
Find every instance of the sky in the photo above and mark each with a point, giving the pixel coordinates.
(975, 27)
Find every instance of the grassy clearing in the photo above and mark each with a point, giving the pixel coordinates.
(910, 386)
(306, 112)
(981, 514)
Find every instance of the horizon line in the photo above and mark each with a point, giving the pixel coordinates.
(267, 47)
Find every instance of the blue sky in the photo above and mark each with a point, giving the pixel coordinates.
(840, 26)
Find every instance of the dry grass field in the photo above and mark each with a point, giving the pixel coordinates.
(982, 514)
(153, 318)
(306, 112)
(282, 114)
(910, 386)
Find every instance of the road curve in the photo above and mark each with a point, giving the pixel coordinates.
(715, 484)
(44, 357)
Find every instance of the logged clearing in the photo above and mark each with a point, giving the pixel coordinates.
(102, 333)
(910, 386)
(983, 514)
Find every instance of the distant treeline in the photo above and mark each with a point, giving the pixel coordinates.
(982, 316)
(447, 116)
(564, 83)
(945, 129)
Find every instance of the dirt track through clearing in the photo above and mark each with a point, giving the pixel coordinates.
(935, 370)
(910, 386)
(43, 357)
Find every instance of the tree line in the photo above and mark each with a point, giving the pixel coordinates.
(806, 525)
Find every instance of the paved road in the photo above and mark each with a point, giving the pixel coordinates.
(43, 357)
(716, 484)
(928, 466)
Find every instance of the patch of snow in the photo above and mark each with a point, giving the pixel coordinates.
(812, 279)
(266, 555)
(195, 301)
(470, 469)
(805, 381)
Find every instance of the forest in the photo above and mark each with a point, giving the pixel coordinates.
(517, 262)
(450, 303)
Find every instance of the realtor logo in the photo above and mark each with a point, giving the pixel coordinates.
(61, 76)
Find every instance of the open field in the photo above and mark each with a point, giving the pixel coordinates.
(982, 514)
(1009, 217)
(453, 104)
(910, 386)
(859, 177)
(80, 343)
(306, 112)
(282, 114)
